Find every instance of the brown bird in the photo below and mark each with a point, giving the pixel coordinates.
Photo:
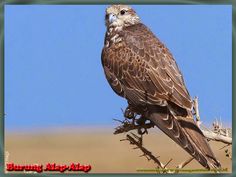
(141, 69)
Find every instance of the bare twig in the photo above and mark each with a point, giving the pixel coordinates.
(195, 105)
(183, 164)
(216, 137)
(168, 163)
(146, 153)
(225, 146)
(218, 134)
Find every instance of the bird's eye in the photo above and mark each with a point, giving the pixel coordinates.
(122, 12)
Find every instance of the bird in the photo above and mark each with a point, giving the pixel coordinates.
(141, 69)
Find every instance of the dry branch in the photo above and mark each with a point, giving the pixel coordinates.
(146, 153)
(216, 137)
(218, 134)
(183, 164)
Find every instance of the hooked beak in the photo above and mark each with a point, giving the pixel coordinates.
(112, 18)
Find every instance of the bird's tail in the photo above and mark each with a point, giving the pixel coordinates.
(186, 133)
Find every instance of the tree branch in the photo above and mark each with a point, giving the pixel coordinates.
(146, 153)
(218, 134)
(183, 164)
(216, 137)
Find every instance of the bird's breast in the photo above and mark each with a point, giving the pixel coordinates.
(113, 37)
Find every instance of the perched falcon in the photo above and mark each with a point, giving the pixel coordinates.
(141, 69)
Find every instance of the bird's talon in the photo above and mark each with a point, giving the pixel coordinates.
(129, 114)
(141, 132)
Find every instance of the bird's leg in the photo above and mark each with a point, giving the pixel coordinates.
(142, 122)
(129, 114)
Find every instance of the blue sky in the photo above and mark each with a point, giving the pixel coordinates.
(53, 72)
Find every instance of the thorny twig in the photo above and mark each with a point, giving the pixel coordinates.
(183, 164)
(146, 153)
(224, 146)
(218, 133)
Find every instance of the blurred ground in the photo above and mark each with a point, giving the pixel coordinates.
(99, 148)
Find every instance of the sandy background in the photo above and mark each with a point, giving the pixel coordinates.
(99, 148)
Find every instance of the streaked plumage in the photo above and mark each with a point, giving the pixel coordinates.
(141, 69)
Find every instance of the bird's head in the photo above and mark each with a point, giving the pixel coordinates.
(120, 16)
